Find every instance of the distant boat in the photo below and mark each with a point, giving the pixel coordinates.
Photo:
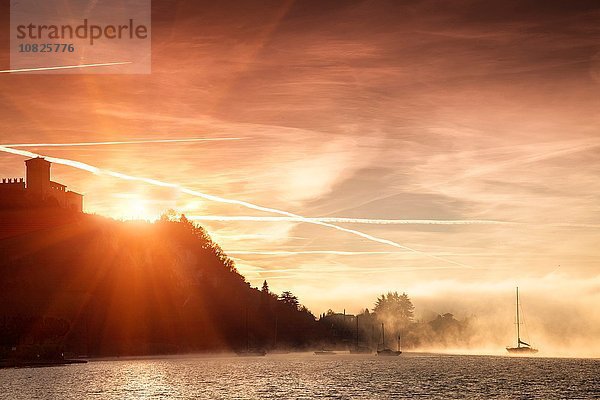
(522, 347)
(387, 351)
(325, 352)
(358, 349)
(250, 352)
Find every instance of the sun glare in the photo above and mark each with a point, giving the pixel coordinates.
(134, 207)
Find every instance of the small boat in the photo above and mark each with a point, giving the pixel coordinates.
(386, 351)
(250, 352)
(522, 347)
(325, 352)
(358, 349)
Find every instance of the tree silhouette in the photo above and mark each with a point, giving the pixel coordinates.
(289, 299)
(395, 308)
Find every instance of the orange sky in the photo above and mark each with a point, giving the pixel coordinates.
(355, 109)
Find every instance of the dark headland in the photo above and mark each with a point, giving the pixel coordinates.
(75, 285)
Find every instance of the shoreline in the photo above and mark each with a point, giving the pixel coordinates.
(7, 364)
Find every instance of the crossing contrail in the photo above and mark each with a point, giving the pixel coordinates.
(306, 252)
(57, 67)
(143, 141)
(248, 268)
(155, 182)
(371, 221)
(350, 220)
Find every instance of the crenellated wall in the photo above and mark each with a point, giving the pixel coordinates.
(12, 192)
(38, 190)
(18, 181)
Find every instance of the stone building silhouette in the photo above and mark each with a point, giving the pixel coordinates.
(37, 190)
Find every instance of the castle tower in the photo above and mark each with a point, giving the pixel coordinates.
(38, 176)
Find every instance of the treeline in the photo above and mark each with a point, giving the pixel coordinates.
(393, 317)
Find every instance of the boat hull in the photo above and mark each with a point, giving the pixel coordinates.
(252, 353)
(325, 353)
(521, 350)
(388, 353)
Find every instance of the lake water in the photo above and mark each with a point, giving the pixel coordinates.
(306, 376)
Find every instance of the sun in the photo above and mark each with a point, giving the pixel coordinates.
(135, 207)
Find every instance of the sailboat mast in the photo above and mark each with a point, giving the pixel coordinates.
(357, 331)
(518, 321)
(275, 340)
(247, 338)
(372, 334)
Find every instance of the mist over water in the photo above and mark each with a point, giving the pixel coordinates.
(558, 320)
(305, 376)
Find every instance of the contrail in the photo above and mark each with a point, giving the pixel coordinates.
(121, 142)
(569, 225)
(293, 253)
(253, 269)
(352, 253)
(350, 220)
(8, 71)
(371, 221)
(96, 170)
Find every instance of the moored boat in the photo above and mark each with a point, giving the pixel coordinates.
(250, 352)
(359, 349)
(387, 351)
(325, 352)
(522, 346)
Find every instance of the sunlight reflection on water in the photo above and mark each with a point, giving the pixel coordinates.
(305, 376)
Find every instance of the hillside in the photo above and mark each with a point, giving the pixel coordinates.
(93, 286)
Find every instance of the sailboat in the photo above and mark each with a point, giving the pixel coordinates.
(325, 352)
(358, 349)
(522, 347)
(248, 352)
(386, 351)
